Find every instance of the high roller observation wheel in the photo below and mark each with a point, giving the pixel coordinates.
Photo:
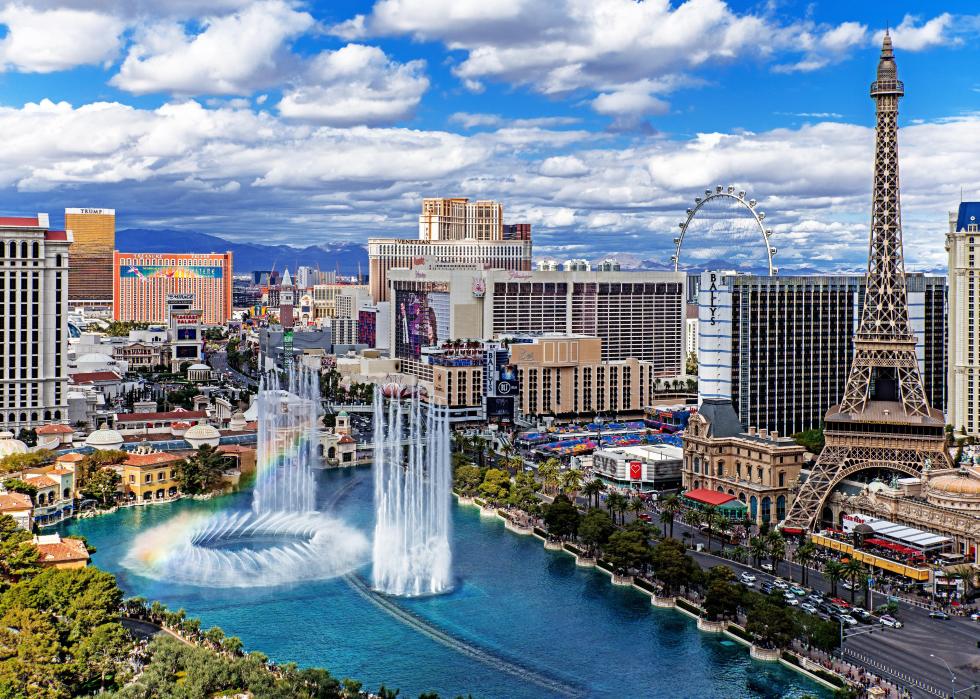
(749, 205)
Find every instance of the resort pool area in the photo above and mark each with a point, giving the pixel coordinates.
(519, 623)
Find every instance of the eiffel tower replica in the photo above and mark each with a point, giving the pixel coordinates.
(884, 420)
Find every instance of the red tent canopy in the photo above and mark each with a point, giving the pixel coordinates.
(708, 497)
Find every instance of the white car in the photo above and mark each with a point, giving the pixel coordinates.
(848, 619)
(890, 621)
(975, 616)
(781, 584)
(766, 566)
(809, 608)
(792, 601)
(748, 578)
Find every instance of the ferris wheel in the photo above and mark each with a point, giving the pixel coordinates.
(726, 229)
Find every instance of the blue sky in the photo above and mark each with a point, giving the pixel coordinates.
(598, 121)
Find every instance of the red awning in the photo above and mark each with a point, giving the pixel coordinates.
(708, 497)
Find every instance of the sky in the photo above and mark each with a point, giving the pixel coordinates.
(597, 121)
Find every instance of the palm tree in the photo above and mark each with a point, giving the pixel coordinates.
(615, 503)
(854, 571)
(548, 472)
(693, 518)
(670, 507)
(758, 548)
(571, 482)
(834, 572)
(635, 506)
(804, 556)
(718, 522)
(776, 545)
(593, 488)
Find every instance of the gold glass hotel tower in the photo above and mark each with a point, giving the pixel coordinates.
(90, 276)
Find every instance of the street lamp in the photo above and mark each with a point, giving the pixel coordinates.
(951, 673)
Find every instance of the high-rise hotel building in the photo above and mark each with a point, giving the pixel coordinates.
(962, 242)
(90, 277)
(780, 348)
(453, 234)
(143, 280)
(33, 322)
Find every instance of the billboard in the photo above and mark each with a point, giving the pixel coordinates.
(636, 471)
(421, 320)
(145, 272)
(500, 408)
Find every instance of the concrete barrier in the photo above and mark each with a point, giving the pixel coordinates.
(488, 511)
(663, 602)
(769, 655)
(584, 562)
(516, 528)
(553, 545)
(623, 580)
(711, 626)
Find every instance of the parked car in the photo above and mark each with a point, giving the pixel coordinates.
(748, 578)
(840, 602)
(809, 608)
(937, 614)
(847, 619)
(797, 590)
(767, 587)
(975, 616)
(645, 517)
(791, 600)
(890, 621)
(766, 567)
(847, 585)
(815, 598)
(781, 584)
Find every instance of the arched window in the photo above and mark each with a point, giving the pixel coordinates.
(759, 473)
(35, 251)
(766, 507)
(23, 249)
(57, 414)
(731, 492)
(741, 497)
(57, 260)
(780, 508)
(782, 479)
(66, 493)
(738, 469)
(721, 468)
(47, 414)
(753, 508)
(721, 489)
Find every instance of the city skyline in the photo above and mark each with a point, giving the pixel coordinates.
(597, 123)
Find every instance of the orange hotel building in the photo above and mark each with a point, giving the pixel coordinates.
(141, 282)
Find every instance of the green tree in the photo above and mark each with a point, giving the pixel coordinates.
(467, 478)
(811, 440)
(523, 493)
(628, 549)
(28, 436)
(772, 626)
(102, 485)
(18, 555)
(672, 567)
(776, 548)
(834, 572)
(21, 462)
(758, 549)
(548, 473)
(804, 555)
(722, 594)
(593, 489)
(496, 485)
(16, 485)
(203, 472)
(103, 652)
(856, 574)
(570, 481)
(594, 531)
(668, 509)
(615, 503)
(562, 518)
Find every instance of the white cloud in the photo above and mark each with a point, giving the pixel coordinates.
(43, 41)
(356, 85)
(912, 36)
(627, 54)
(469, 120)
(563, 166)
(230, 55)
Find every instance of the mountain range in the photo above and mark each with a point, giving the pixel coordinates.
(248, 257)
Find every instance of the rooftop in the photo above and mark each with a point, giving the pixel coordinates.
(54, 429)
(154, 459)
(969, 214)
(708, 497)
(178, 414)
(60, 551)
(94, 376)
(12, 502)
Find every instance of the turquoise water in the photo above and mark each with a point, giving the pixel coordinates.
(522, 622)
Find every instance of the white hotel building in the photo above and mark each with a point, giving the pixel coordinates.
(964, 330)
(33, 322)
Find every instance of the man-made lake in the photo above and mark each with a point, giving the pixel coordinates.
(521, 622)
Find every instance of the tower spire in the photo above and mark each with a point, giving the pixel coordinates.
(884, 419)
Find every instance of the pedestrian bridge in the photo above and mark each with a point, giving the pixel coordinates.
(335, 408)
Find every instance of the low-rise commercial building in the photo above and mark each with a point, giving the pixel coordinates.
(759, 469)
(150, 475)
(645, 467)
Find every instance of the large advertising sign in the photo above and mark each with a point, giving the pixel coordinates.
(422, 320)
(145, 272)
(500, 408)
(636, 471)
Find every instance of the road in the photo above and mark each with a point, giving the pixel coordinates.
(218, 361)
(918, 649)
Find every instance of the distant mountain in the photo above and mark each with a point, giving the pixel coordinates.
(248, 256)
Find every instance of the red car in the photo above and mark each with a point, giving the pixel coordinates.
(645, 517)
(840, 603)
